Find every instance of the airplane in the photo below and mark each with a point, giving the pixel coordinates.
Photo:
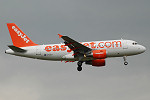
(91, 53)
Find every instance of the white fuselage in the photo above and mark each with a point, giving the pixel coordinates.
(60, 52)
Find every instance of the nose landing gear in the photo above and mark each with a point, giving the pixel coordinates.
(125, 63)
(125, 60)
(79, 68)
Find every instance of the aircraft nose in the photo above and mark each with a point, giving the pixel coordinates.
(143, 49)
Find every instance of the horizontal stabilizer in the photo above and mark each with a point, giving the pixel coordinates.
(16, 49)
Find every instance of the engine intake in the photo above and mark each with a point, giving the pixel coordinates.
(98, 54)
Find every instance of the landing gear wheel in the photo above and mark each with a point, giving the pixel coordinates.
(125, 63)
(79, 68)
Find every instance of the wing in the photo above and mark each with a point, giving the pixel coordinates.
(77, 47)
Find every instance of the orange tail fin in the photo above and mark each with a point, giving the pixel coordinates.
(19, 38)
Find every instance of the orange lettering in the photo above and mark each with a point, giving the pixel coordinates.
(69, 50)
(92, 45)
(63, 48)
(108, 44)
(113, 44)
(118, 43)
(48, 48)
(56, 48)
(101, 44)
(86, 44)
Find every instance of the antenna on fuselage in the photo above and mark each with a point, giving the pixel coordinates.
(122, 36)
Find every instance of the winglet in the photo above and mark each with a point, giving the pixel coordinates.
(60, 35)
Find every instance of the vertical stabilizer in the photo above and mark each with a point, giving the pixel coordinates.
(19, 38)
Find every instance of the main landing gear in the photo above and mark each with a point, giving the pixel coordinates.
(79, 68)
(125, 60)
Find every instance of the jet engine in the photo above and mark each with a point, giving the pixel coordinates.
(98, 54)
(97, 62)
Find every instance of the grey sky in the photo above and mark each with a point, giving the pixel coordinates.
(83, 20)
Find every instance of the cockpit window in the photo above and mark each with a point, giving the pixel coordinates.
(134, 43)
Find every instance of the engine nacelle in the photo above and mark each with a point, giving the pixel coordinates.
(98, 54)
(97, 62)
